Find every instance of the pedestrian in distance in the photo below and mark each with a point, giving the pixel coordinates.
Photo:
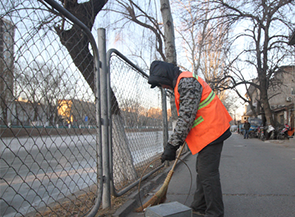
(203, 123)
(246, 129)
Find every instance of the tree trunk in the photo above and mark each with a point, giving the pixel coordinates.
(265, 102)
(170, 50)
(169, 39)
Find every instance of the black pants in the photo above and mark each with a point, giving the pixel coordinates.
(208, 195)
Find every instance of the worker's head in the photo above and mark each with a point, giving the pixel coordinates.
(163, 75)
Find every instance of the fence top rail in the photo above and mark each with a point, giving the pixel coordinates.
(113, 50)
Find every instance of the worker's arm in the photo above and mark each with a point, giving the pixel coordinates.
(190, 91)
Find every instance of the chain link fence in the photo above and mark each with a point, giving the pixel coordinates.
(50, 152)
(137, 122)
(49, 134)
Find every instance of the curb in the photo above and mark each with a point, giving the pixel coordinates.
(134, 198)
(288, 143)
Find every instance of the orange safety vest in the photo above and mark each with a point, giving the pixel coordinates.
(212, 118)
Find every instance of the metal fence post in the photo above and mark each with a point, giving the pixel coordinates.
(164, 113)
(106, 196)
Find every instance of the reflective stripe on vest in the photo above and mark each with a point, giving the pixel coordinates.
(203, 104)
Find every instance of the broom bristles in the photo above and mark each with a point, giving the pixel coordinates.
(159, 196)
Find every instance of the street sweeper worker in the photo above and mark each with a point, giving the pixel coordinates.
(203, 123)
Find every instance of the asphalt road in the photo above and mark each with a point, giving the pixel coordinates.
(39, 170)
(258, 179)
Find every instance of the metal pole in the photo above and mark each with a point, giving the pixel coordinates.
(164, 113)
(165, 122)
(106, 196)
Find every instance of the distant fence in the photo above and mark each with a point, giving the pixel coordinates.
(50, 119)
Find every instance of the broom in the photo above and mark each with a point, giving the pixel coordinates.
(160, 195)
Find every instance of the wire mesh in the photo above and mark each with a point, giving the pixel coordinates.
(48, 146)
(137, 123)
(47, 114)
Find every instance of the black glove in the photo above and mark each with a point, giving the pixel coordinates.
(169, 153)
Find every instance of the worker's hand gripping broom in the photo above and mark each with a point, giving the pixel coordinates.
(160, 195)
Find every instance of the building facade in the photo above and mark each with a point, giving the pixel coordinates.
(281, 97)
(282, 102)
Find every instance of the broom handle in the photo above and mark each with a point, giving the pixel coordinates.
(178, 156)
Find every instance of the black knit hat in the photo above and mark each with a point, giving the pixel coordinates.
(163, 73)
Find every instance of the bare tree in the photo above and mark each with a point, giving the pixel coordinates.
(42, 85)
(231, 103)
(192, 32)
(204, 40)
(268, 24)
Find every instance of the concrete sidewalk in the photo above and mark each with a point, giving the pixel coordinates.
(257, 180)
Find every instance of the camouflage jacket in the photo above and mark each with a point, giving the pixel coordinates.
(190, 91)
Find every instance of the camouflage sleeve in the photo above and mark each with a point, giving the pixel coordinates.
(190, 91)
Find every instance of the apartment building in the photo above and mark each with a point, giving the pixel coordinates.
(281, 97)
